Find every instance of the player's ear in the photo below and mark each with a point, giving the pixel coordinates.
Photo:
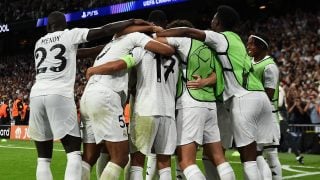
(49, 29)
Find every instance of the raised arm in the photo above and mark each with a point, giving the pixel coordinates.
(160, 48)
(140, 28)
(89, 52)
(107, 68)
(183, 32)
(112, 28)
(112, 67)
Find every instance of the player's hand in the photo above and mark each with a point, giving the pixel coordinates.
(89, 73)
(156, 29)
(197, 83)
(141, 22)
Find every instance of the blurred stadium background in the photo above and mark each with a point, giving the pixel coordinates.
(293, 27)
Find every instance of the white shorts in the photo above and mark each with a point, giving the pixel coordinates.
(153, 133)
(197, 125)
(52, 117)
(276, 130)
(102, 116)
(251, 118)
(224, 124)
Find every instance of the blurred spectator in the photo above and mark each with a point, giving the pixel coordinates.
(17, 10)
(5, 112)
(25, 111)
(17, 110)
(312, 108)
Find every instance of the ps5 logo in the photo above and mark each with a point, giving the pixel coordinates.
(4, 28)
(86, 14)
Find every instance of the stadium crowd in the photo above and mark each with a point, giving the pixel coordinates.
(12, 11)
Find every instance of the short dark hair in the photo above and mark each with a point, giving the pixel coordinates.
(56, 16)
(158, 17)
(228, 17)
(56, 20)
(259, 43)
(180, 23)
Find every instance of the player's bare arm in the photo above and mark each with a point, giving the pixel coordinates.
(183, 32)
(160, 48)
(112, 28)
(92, 52)
(162, 40)
(200, 83)
(127, 61)
(270, 92)
(107, 68)
(139, 28)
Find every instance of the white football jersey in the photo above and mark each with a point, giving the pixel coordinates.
(114, 50)
(157, 78)
(183, 46)
(55, 61)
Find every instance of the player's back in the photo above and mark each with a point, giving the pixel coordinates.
(114, 50)
(55, 61)
(157, 77)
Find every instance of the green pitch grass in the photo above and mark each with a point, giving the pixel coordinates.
(18, 161)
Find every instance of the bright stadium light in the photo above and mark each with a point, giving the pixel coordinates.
(262, 7)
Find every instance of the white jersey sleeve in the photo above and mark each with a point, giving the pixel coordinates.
(139, 39)
(182, 45)
(138, 54)
(271, 76)
(216, 40)
(78, 35)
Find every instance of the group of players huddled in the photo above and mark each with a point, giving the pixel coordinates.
(187, 88)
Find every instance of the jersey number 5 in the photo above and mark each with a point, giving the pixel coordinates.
(59, 56)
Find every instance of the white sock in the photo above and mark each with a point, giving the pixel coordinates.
(43, 169)
(127, 170)
(111, 172)
(74, 166)
(151, 166)
(101, 163)
(193, 172)
(179, 173)
(251, 171)
(211, 170)
(274, 163)
(264, 168)
(165, 173)
(225, 171)
(86, 169)
(136, 173)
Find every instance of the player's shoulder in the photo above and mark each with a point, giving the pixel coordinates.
(137, 34)
(140, 52)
